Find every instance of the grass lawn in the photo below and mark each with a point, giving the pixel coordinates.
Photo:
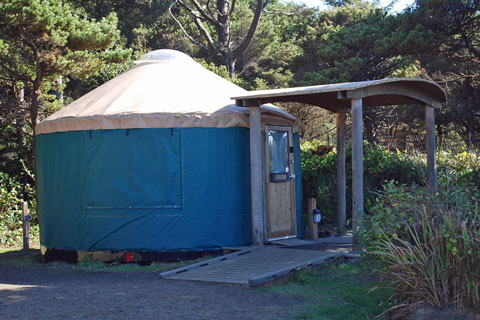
(330, 292)
(337, 292)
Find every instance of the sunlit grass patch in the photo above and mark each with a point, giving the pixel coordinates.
(337, 292)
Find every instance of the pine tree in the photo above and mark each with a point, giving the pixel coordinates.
(42, 40)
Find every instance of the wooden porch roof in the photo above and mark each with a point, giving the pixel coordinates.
(336, 97)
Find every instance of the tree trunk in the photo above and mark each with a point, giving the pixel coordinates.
(20, 118)
(440, 135)
(34, 107)
(220, 44)
(251, 32)
(469, 134)
(230, 67)
(368, 129)
(223, 27)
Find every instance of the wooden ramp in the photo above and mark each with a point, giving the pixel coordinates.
(252, 266)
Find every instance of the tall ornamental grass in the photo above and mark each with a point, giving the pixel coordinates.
(436, 262)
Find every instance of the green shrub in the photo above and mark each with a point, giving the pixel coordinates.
(11, 196)
(319, 176)
(391, 213)
(428, 245)
(319, 172)
(397, 207)
(458, 169)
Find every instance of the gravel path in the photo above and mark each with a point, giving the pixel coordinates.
(42, 292)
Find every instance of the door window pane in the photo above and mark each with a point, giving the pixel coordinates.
(278, 150)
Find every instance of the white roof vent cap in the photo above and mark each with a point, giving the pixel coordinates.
(164, 56)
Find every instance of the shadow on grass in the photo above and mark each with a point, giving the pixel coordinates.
(20, 257)
(33, 257)
(337, 292)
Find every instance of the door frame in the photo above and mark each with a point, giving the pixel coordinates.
(291, 165)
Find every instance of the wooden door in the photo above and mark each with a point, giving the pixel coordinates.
(280, 183)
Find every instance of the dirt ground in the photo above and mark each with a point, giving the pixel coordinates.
(47, 292)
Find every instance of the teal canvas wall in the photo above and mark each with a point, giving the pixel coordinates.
(179, 189)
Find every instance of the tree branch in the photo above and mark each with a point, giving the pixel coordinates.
(251, 32)
(27, 171)
(205, 32)
(182, 28)
(186, 7)
(13, 74)
(204, 14)
(319, 135)
(208, 8)
(232, 7)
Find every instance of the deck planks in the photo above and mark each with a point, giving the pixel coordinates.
(253, 267)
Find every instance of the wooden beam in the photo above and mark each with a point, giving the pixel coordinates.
(431, 148)
(265, 183)
(394, 89)
(341, 186)
(419, 89)
(357, 170)
(256, 174)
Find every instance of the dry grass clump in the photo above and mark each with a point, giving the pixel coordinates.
(437, 262)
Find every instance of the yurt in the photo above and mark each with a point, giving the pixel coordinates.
(157, 161)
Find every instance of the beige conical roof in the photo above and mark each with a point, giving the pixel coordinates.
(166, 89)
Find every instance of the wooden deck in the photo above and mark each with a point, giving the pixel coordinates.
(252, 266)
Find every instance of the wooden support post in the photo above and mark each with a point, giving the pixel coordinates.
(357, 170)
(26, 225)
(431, 148)
(313, 227)
(342, 200)
(256, 175)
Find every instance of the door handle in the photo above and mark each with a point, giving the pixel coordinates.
(292, 176)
